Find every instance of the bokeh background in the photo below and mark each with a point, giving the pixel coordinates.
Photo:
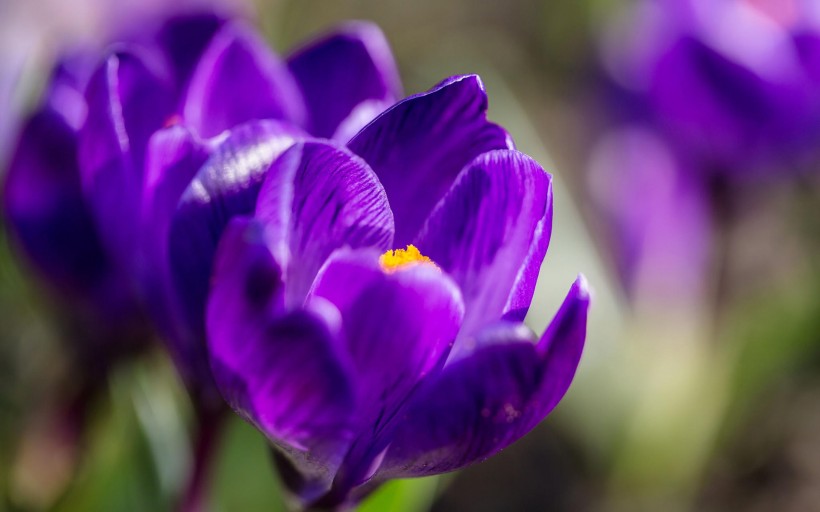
(699, 388)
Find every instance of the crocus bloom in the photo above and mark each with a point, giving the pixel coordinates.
(179, 127)
(362, 360)
(46, 191)
(731, 81)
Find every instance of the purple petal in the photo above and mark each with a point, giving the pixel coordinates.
(183, 39)
(127, 102)
(654, 207)
(45, 209)
(490, 234)
(342, 70)
(318, 198)
(65, 92)
(727, 111)
(399, 327)
(174, 157)
(286, 374)
(240, 79)
(491, 397)
(226, 186)
(419, 146)
(358, 118)
(807, 45)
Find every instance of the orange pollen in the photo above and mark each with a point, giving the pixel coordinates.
(392, 261)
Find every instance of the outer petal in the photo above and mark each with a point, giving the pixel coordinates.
(491, 233)
(49, 220)
(721, 107)
(65, 93)
(174, 157)
(127, 102)
(654, 205)
(45, 209)
(358, 118)
(226, 186)
(342, 70)
(240, 79)
(283, 373)
(183, 39)
(807, 45)
(490, 398)
(318, 198)
(419, 146)
(399, 328)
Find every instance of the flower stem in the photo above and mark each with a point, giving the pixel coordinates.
(209, 427)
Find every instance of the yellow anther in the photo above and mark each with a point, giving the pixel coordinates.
(401, 258)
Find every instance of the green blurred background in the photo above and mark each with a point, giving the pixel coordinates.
(706, 403)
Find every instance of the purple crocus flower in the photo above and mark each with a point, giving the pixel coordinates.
(361, 363)
(177, 141)
(731, 81)
(46, 190)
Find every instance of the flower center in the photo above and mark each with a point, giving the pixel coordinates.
(402, 258)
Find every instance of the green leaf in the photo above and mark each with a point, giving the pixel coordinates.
(118, 471)
(244, 478)
(414, 495)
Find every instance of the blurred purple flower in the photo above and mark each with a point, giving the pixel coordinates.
(361, 368)
(733, 82)
(696, 95)
(49, 222)
(181, 125)
(655, 212)
(45, 205)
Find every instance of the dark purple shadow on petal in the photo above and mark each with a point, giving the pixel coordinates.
(338, 72)
(399, 328)
(226, 186)
(317, 198)
(490, 397)
(418, 147)
(127, 101)
(240, 79)
(490, 234)
(183, 38)
(46, 211)
(285, 372)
